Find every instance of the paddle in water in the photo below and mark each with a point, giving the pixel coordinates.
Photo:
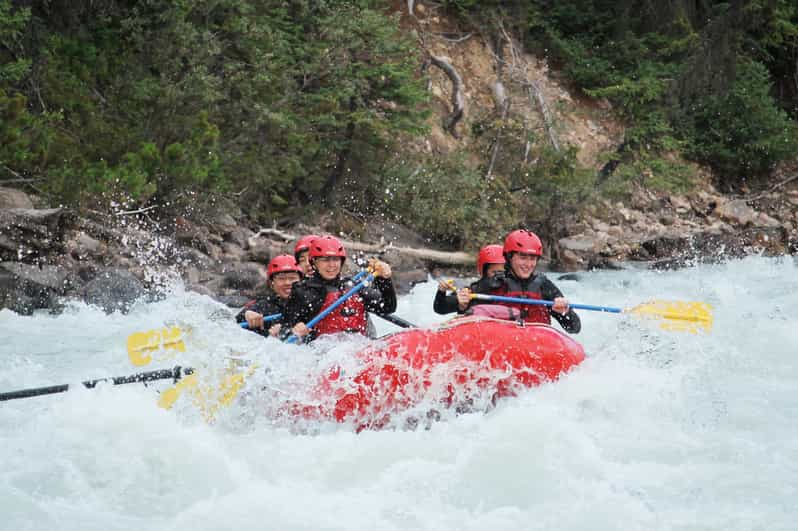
(164, 374)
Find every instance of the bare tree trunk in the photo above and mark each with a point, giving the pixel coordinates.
(535, 95)
(497, 143)
(458, 100)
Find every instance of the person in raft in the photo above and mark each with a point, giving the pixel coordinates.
(301, 252)
(490, 262)
(324, 286)
(283, 271)
(522, 249)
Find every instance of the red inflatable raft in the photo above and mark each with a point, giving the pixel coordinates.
(449, 365)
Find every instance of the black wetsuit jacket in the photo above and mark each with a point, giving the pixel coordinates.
(569, 322)
(268, 305)
(308, 296)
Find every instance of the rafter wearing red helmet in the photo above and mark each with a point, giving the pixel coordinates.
(490, 261)
(324, 286)
(301, 252)
(283, 272)
(522, 249)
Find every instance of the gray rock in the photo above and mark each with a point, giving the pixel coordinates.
(113, 290)
(239, 236)
(581, 243)
(83, 246)
(25, 288)
(51, 277)
(243, 276)
(232, 252)
(13, 198)
(736, 212)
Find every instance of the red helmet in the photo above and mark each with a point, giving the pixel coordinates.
(523, 241)
(303, 244)
(490, 254)
(326, 246)
(283, 263)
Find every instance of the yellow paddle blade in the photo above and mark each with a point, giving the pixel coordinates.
(141, 344)
(170, 396)
(681, 316)
(207, 398)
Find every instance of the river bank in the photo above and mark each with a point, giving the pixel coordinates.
(52, 255)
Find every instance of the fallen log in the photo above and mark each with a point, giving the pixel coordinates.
(458, 258)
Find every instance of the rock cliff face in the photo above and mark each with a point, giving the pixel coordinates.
(676, 230)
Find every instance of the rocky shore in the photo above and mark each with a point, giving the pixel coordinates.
(51, 255)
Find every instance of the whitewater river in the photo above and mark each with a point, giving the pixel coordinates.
(655, 430)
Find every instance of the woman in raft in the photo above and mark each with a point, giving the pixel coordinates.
(325, 285)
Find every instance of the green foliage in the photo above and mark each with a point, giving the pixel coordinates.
(742, 133)
(551, 187)
(12, 25)
(652, 172)
(448, 200)
(288, 101)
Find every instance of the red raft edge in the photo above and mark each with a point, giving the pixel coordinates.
(472, 353)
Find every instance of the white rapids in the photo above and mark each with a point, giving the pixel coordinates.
(655, 430)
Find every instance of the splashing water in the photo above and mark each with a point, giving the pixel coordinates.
(655, 430)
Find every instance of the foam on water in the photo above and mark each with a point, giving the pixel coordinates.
(655, 430)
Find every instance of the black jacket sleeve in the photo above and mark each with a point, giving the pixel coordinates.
(445, 302)
(570, 321)
(303, 304)
(380, 297)
(264, 306)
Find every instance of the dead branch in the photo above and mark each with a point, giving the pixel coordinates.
(453, 40)
(497, 143)
(535, 95)
(458, 100)
(773, 188)
(139, 211)
(518, 67)
(410, 6)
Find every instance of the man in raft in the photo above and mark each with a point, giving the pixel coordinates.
(522, 249)
(490, 262)
(283, 272)
(324, 286)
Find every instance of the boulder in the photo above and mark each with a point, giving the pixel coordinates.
(26, 287)
(239, 236)
(83, 246)
(736, 212)
(583, 243)
(13, 198)
(113, 290)
(31, 234)
(243, 276)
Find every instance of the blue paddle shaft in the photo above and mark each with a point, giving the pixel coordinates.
(538, 302)
(266, 319)
(354, 289)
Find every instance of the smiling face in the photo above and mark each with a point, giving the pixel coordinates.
(282, 282)
(523, 265)
(329, 267)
